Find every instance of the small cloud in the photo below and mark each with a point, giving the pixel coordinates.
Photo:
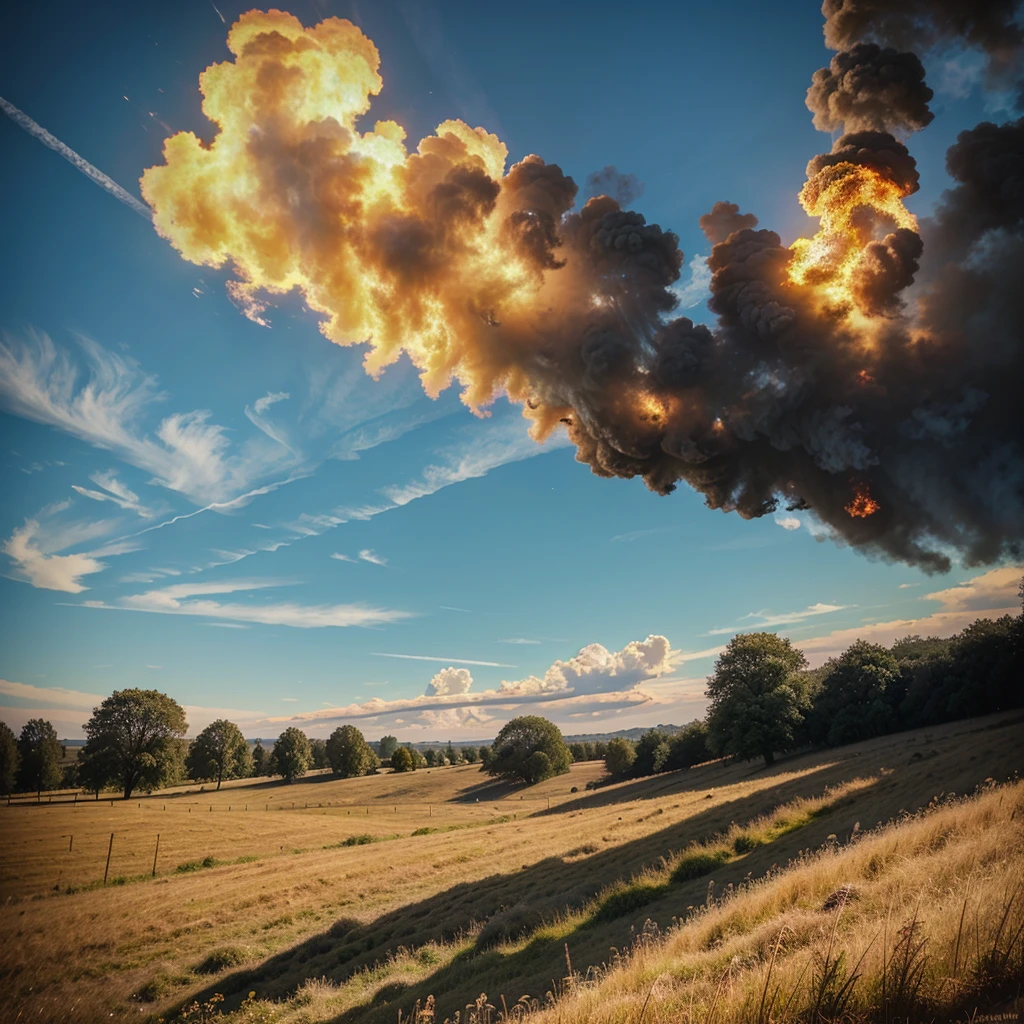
(907, 586)
(429, 657)
(369, 555)
(518, 640)
(452, 608)
(449, 681)
(290, 699)
(154, 666)
(697, 289)
(788, 522)
(342, 558)
(261, 405)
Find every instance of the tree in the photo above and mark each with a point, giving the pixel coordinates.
(219, 752)
(688, 747)
(651, 753)
(260, 760)
(430, 755)
(619, 757)
(39, 751)
(349, 753)
(10, 759)
(757, 705)
(470, 755)
(485, 753)
(578, 752)
(292, 754)
(450, 754)
(858, 696)
(320, 758)
(402, 760)
(387, 746)
(516, 748)
(130, 740)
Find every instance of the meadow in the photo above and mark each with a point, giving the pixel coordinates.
(349, 900)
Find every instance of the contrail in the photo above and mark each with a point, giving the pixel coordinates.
(92, 173)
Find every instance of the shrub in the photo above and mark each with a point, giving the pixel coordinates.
(697, 863)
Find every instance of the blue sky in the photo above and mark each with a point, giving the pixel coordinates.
(240, 517)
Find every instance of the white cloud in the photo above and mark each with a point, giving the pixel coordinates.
(449, 681)
(261, 405)
(428, 657)
(788, 522)
(33, 548)
(115, 491)
(696, 290)
(55, 695)
(178, 600)
(765, 619)
(39, 381)
(990, 596)
(595, 677)
(342, 558)
(371, 556)
(907, 586)
(518, 640)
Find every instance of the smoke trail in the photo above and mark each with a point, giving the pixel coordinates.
(94, 174)
(829, 383)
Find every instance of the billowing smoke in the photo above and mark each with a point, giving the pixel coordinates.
(829, 383)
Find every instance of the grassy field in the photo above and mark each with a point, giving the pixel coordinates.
(370, 895)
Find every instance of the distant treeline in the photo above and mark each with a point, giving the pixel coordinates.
(764, 701)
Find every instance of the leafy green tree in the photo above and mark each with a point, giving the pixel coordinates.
(651, 753)
(219, 752)
(517, 744)
(600, 750)
(757, 706)
(260, 760)
(485, 753)
(688, 747)
(387, 746)
(858, 696)
(292, 754)
(418, 760)
(619, 757)
(349, 753)
(10, 759)
(431, 756)
(470, 755)
(130, 741)
(588, 751)
(320, 758)
(39, 750)
(578, 752)
(402, 760)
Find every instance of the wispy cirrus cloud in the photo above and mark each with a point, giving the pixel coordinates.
(767, 620)
(115, 491)
(430, 657)
(105, 400)
(195, 599)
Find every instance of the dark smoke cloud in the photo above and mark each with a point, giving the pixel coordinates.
(623, 188)
(723, 220)
(992, 26)
(813, 391)
(867, 87)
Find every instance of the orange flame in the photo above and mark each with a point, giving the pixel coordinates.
(862, 505)
(840, 195)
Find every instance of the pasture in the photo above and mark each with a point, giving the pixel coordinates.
(350, 900)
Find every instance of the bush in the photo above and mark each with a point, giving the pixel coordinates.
(697, 863)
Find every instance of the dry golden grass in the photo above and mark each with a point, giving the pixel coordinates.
(347, 933)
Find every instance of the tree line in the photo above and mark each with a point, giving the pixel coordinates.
(764, 701)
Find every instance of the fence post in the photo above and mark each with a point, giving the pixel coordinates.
(110, 848)
(155, 852)
(71, 842)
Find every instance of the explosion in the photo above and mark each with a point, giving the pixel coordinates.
(823, 364)
(862, 505)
